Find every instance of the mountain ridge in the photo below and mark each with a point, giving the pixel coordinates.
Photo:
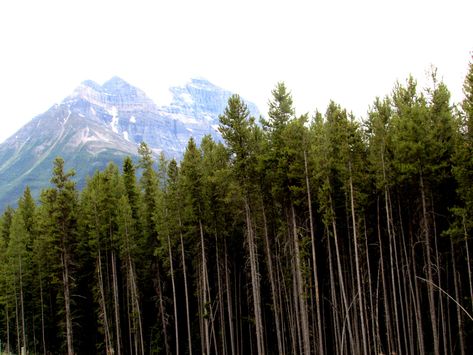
(97, 124)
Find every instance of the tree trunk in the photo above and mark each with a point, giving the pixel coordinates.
(130, 311)
(206, 302)
(357, 266)
(437, 262)
(67, 302)
(103, 305)
(255, 281)
(22, 306)
(229, 300)
(412, 277)
(7, 316)
(433, 316)
(387, 314)
(186, 292)
(318, 319)
(116, 304)
(136, 307)
(17, 319)
(301, 288)
(394, 291)
(176, 327)
(43, 330)
(341, 279)
(162, 311)
(274, 291)
(334, 299)
(457, 296)
(470, 279)
(221, 308)
(370, 294)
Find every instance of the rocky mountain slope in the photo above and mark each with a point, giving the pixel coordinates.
(102, 123)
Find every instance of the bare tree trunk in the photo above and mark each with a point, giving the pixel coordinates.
(370, 291)
(412, 277)
(7, 316)
(200, 307)
(103, 305)
(176, 327)
(377, 334)
(17, 319)
(336, 309)
(394, 291)
(418, 305)
(43, 330)
(457, 296)
(274, 292)
(301, 289)
(341, 279)
(470, 280)
(229, 301)
(162, 311)
(357, 266)
(433, 316)
(255, 281)
(221, 307)
(186, 292)
(296, 321)
(130, 311)
(135, 331)
(205, 300)
(287, 326)
(437, 262)
(22, 306)
(237, 283)
(67, 302)
(318, 319)
(136, 306)
(387, 314)
(116, 304)
(407, 313)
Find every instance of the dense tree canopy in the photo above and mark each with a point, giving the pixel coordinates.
(295, 235)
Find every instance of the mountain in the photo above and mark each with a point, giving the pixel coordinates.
(97, 124)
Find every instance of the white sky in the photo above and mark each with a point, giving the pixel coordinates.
(349, 51)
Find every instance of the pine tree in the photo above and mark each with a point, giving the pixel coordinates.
(60, 203)
(149, 184)
(237, 129)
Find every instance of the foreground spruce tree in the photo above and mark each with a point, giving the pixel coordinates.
(60, 204)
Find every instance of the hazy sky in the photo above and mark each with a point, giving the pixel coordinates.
(349, 51)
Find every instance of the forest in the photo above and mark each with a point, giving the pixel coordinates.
(322, 234)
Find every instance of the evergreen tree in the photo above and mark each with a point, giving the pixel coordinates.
(329, 235)
(60, 203)
(238, 131)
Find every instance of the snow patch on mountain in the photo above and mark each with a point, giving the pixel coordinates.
(187, 98)
(86, 137)
(67, 118)
(114, 124)
(186, 119)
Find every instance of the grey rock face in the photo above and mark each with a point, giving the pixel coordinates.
(102, 123)
(127, 111)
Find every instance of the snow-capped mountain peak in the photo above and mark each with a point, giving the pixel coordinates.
(101, 123)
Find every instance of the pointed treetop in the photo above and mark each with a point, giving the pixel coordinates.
(60, 178)
(467, 103)
(281, 109)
